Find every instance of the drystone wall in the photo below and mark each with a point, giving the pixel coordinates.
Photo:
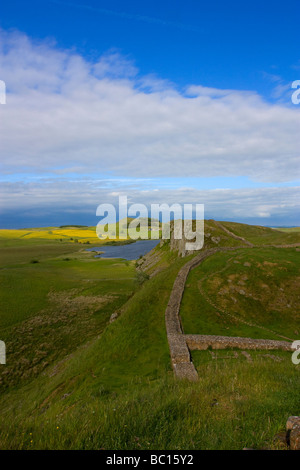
(233, 235)
(179, 351)
(202, 342)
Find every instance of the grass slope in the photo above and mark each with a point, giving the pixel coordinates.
(263, 235)
(51, 306)
(111, 386)
(251, 293)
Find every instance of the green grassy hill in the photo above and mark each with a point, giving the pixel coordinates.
(253, 293)
(73, 380)
(259, 235)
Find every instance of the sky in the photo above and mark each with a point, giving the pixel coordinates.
(161, 101)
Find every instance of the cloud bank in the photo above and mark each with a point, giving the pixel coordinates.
(65, 112)
(55, 201)
(68, 119)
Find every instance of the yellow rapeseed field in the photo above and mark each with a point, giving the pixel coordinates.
(53, 233)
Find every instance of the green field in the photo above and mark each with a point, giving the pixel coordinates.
(73, 380)
(252, 293)
(54, 299)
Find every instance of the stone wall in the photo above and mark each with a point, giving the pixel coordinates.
(233, 235)
(202, 342)
(179, 351)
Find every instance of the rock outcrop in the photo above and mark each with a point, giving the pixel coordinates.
(293, 432)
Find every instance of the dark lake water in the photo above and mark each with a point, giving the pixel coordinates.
(130, 252)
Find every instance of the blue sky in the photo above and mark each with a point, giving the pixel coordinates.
(163, 101)
(219, 44)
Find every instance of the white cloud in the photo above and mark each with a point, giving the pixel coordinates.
(64, 113)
